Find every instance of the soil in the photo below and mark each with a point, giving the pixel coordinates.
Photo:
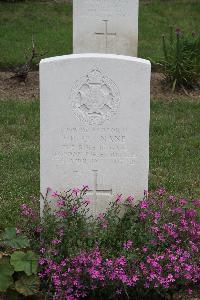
(159, 90)
(29, 90)
(13, 89)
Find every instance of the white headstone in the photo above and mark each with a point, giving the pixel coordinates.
(105, 26)
(95, 111)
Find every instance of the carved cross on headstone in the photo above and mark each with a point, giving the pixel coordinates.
(96, 191)
(106, 33)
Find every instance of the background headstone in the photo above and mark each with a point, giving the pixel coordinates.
(105, 26)
(95, 111)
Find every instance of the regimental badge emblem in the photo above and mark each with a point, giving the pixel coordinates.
(95, 98)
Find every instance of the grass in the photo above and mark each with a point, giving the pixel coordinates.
(174, 147)
(51, 26)
(157, 17)
(174, 152)
(19, 157)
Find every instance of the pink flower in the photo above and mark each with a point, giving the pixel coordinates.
(56, 242)
(155, 229)
(127, 245)
(143, 204)
(61, 213)
(170, 278)
(109, 262)
(157, 215)
(85, 187)
(42, 261)
(160, 191)
(143, 216)
(190, 291)
(119, 199)
(161, 237)
(130, 199)
(153, 242)
(75, 191)
(134, 278)
(87, 202)
(55, 194)
(74, 208)
(101, 216)
(147, 285)
(172, 198)
(144, 249)
(24, 206)
(38, 229)
(27, 211)
(119, 291)
(103, 221)
(196, 202)
(104, 224)
(184, 222)
(191, 213)
(183, 202)
(42, 250)
(121, 261)
(60, 203)
(63, 263)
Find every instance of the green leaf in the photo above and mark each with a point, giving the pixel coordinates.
(6, 271)
(28, 286)
(24, 261)
(11, 239)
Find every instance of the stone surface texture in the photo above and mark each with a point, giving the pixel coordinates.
(95, 112)
(105, 26)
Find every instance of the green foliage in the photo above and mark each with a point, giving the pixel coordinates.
(18, 269)
(10, 238)
(6, 272)
(77, 247)
(181, 61)
(27, 286)
(24, 261)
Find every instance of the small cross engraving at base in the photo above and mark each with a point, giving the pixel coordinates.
(106, 33)
(96, 191)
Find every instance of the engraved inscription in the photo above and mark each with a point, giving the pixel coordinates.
(89, 146)
(95, 98)
(102, 8)
(106, 33)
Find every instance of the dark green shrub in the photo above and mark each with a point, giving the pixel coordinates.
(181, 61)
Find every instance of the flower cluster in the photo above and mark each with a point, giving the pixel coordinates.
(74, 278)
(153, 246)
(27, 211)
